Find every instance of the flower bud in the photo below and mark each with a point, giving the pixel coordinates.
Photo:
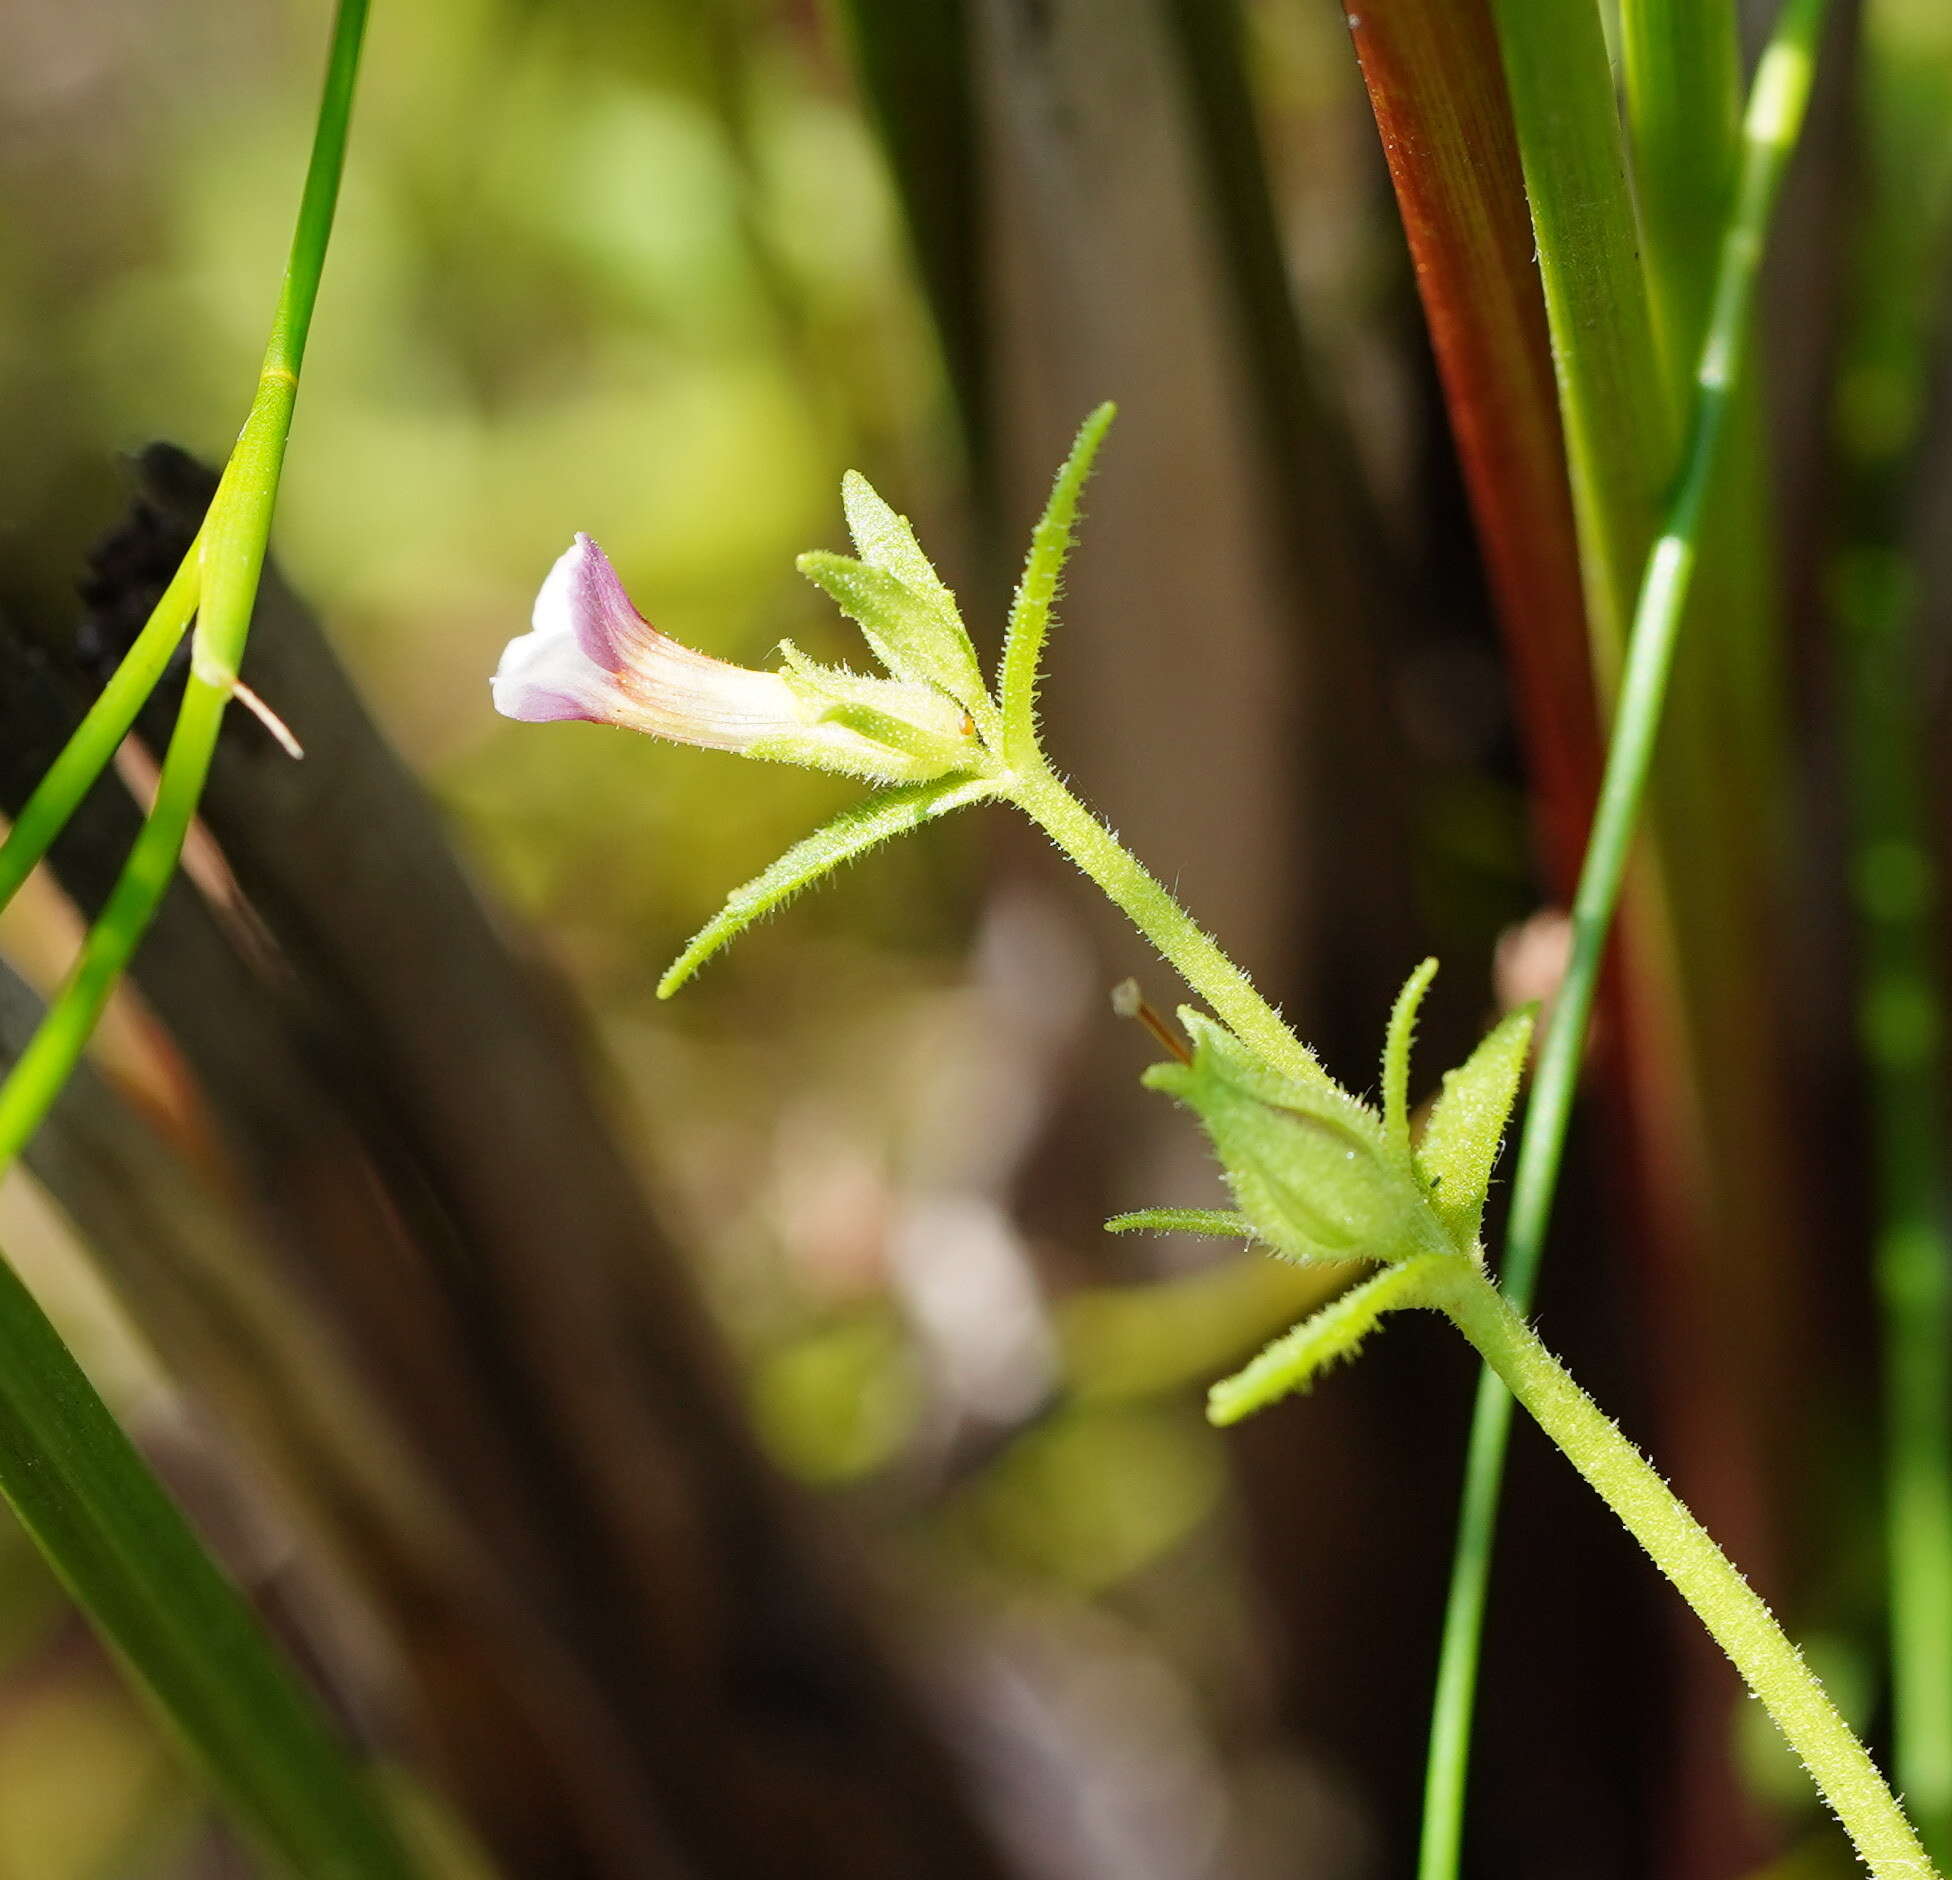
(1306, 1161)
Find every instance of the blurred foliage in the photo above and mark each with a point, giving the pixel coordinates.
(636, 270)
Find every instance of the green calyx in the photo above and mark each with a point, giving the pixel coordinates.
(1319, 1175)
(1308, 1163)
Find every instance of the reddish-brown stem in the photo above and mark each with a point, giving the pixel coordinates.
(1438, 92)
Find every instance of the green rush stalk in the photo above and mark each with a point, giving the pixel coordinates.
(1769, 132)
(79, 1487)
(228, 556)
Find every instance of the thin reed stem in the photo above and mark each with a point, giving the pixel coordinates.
(79, 1487)
(1770, 128)
(230, 552)
(93, 746)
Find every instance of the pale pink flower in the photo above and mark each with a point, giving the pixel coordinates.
(591, 655)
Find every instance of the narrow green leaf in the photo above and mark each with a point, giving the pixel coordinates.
(107, 1526)
(1619, 427)
(851, 833)
(1221, 1223)
(1336, 1332)
(179, 1625)
(1771, 126)
(1437, 87)
(1397, 1045)
(1467, 1125)
(1681, 63)
(1030, 611)
(912, 634)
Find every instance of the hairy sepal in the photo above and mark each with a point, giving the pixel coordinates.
(1307, 1162)
(1220, 1223)
(1466, 1128)
(1397, 1046)
(911, 632)
(883, 730)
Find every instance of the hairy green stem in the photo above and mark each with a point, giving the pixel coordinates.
(1774, 117)
(1187, 947)
(1652, 1513)
(1741, 1624)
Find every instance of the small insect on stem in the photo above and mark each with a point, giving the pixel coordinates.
(1129, 1002)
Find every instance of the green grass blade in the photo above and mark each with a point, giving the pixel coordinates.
(1443, 114)
(1619, 433)
(186, 1635)
(1681, 62)
(852, 833)
(183, 1630)
(1720, 806)
(1770, 129)
(233, 547)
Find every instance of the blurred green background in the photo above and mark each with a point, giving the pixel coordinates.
(639, 269)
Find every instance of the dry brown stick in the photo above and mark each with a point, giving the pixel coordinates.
(517, 1722)
(640, 1525)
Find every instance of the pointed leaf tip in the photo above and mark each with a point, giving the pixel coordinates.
(1466, 1129)
(1396, 1060)
(1030, 610)
(1331, 1336)
(917, 637)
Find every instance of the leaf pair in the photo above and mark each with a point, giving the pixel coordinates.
(955, 739)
